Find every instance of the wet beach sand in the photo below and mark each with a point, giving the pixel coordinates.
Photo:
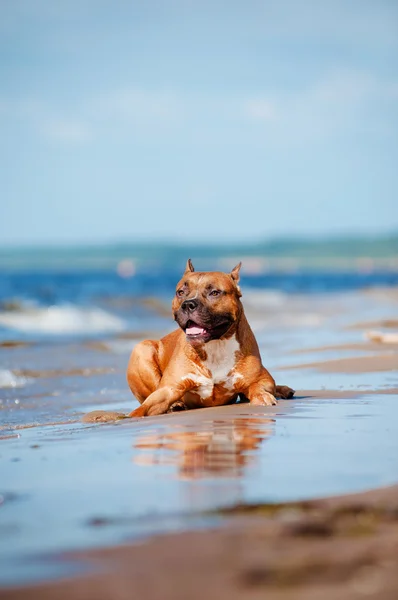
(344, 547)
(294, 501)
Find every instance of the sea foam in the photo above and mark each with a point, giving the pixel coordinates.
(64, 319)
(9, 380)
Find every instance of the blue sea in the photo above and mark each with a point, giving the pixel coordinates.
(92, 290)
(69, 319)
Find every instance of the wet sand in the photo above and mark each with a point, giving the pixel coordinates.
(345, 547)
(219, 502)
(355, 364)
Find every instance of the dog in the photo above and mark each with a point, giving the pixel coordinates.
(210, 360)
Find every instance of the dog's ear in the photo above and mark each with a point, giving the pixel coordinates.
(235, 278)
(189, 268)
(235, 273)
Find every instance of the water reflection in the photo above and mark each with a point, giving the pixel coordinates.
(217, 448)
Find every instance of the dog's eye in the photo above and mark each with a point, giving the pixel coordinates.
(215, 293)
(180, 292)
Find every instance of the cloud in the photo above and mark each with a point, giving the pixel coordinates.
(260, 109)
(123, 111)
(339, 103)
(137, 107)
(37, 116)
(66, 131)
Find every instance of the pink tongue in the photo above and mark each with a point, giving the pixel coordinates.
(195, 331)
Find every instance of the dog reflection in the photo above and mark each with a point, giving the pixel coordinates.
(222, 448)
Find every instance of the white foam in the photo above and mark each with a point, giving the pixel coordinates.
(121, 346)
(66, 319)
(259, 299)
(9, 380)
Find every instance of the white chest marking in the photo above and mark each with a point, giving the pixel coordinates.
(221, 358)
(220, 361)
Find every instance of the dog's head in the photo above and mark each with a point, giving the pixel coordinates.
(207, 304)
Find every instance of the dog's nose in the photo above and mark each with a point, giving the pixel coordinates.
(189, 304)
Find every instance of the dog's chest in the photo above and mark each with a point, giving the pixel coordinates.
(221, 358)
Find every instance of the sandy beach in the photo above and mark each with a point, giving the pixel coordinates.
(340, 547)
(295, 501)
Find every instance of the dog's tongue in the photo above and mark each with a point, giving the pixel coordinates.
(194, 330)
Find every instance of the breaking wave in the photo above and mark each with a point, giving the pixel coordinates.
(9, 380)
(259, 299)
(65, 319)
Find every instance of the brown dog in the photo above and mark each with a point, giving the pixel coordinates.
(211, 360)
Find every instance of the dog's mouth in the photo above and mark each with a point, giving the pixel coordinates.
(193, 331)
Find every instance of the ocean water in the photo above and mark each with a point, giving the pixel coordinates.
(41, 303)
(67, 328)
(91, 290)
(66, 333)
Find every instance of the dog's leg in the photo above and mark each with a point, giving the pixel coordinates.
(143, 371)
(168, 394)
(283, 391)
(261, 392)
(159, 402)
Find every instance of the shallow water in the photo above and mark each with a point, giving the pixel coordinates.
(75, 486)
(66, 484)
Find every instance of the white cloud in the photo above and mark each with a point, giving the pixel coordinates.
(35, 115)
(66, 131)
(126, 111)
(341, 102)
(135, 107)
(260, 109)
(346, 87)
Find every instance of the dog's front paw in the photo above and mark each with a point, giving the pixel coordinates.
(284, 391)
(264, 399)
(177, 406)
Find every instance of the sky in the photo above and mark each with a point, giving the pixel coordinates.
(197, 121)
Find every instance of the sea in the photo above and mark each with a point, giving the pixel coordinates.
(66, 292)
(69, 318)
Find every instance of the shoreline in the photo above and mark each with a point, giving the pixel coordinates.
(116, 414)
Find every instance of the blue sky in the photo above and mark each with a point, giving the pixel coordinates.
(211, 120)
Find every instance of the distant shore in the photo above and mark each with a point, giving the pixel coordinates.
(362, 253)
